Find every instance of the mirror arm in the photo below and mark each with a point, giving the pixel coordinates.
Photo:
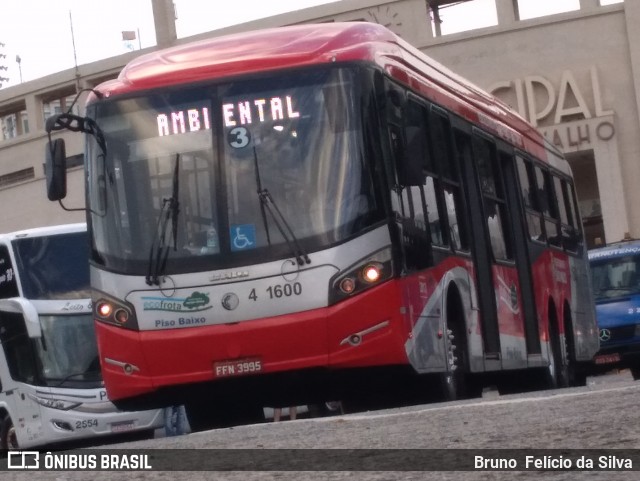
(70, 209)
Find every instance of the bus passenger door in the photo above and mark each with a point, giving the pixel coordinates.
(521, 253)
(481, 248)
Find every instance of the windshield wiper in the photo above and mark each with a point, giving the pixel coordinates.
(266, 201)
(158, 254)
(76, 374)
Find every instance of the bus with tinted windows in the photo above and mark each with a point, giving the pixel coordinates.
(51, 388)
(317, 212)
(615, 270)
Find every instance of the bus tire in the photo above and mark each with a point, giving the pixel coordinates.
(455, 382)
(576, 374)
(8, 439)
(635, 371)
(452, 382)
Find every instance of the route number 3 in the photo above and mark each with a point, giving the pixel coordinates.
(239, 137)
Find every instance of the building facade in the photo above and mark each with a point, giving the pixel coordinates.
(574, 75)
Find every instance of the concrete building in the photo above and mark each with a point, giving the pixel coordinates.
(575, 75)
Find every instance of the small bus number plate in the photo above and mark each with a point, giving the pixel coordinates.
(607, 358)
(237, 367)
(123, 426)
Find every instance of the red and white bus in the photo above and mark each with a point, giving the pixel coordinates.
(302, 212)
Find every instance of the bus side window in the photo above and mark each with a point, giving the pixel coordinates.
(17, 346)
(529, 197)
(398, 109)
(493, 198)
(8, 283)
(550, 207)
(414, 227)
(448, 168)
(428, 209)
(571, 232)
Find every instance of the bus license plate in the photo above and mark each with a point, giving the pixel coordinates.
(607, 358)
(237, 367)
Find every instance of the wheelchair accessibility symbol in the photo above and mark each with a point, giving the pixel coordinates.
(243, 237)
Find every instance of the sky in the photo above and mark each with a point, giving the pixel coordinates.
(39, 32)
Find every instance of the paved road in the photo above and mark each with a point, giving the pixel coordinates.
(604, 414)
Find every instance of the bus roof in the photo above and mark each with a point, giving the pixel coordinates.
(45, 231)
(615, 250)
(311, 44)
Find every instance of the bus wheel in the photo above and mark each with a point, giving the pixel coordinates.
(635, 371)
(8, 439)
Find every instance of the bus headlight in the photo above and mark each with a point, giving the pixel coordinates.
(104, 309)
(111, 311)
(366, 273)
(372, 272)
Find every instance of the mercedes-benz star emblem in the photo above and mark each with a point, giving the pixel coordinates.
(605, 335)
(230, 301)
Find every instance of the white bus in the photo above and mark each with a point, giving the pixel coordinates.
(51, 388)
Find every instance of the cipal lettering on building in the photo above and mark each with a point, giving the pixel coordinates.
(569, 113)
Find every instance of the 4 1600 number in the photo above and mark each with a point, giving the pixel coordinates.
(278, 291)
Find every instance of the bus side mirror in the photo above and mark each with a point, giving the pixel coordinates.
(55, 170)
(20, 305)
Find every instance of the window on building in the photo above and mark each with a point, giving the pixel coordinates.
(535, 8)
(17, 176)
(13, 122)
(54, 104)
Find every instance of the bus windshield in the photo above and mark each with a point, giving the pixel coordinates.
(54, 266)
(68, 351)
(616, 277)
(184, 168)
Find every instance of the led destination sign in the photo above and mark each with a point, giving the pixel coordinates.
(245, 112)
(179, 121)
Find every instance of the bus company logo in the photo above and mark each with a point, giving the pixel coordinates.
(196, 302)
(23, 460)
(227, 276)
